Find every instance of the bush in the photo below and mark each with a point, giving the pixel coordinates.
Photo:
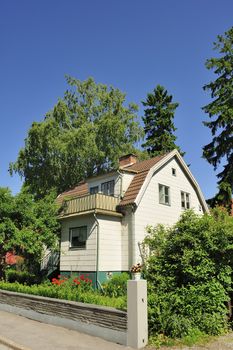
(189, 275)
(22, 277)
(116, 286)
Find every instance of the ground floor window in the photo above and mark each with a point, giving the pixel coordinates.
(78, 237)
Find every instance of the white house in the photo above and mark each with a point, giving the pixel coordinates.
(104, 218)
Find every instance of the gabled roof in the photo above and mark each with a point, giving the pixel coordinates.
(141, 180)
(141, 169)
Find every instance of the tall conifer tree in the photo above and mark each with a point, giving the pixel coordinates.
(159, 126)
(220, 110)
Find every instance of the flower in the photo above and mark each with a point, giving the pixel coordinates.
(136, 268)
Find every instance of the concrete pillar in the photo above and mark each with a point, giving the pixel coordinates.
(137, 333)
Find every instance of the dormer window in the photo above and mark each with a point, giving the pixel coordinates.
(107, 188)
(94, 189)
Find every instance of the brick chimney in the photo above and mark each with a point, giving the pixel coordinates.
(127, 160)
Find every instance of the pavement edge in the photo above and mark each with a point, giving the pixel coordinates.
(11, 344)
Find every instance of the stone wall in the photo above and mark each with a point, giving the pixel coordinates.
(105, 322)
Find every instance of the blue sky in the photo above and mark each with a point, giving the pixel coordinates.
(130, 44)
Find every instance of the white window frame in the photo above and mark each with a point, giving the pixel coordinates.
(173, 171)
(164, 195)
(185, 200)
(81, 230)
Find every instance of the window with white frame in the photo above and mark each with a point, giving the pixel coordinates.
(173, 171)
(185, 200)
(78, 237)
(108, 188)
(164, 195)
(94, 189)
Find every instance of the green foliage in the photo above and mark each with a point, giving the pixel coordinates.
(220, 110)
(23, 277)
(73, 293)
(189, 274)
(159, 127)
(84, 134)
(27, 226)
(116, 286)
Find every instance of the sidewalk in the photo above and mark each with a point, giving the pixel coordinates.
(40, 336)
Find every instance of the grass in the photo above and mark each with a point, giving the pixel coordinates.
(196, 337)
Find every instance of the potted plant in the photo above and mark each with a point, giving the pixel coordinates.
(136, 271)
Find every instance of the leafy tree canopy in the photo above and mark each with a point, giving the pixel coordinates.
(27, 226)
(159, 127)
(84, 134)
(220, 111)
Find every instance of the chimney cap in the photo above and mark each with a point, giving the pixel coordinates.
(127, 160)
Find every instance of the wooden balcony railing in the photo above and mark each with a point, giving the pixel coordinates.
(88, 203)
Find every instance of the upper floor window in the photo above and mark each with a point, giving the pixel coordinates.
(78, 237)
(94, 189)
(164, 195)
(173, 171)
(108, 188)
(185, 200)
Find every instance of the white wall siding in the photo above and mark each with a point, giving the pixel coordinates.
(126, 180)
(151, 212)
(77, 259)
(111, 255)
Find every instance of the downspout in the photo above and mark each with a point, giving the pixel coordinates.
(97, 251)
(133, 236)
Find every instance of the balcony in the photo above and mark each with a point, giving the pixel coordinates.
(98, 203)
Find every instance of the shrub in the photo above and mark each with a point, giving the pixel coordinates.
(23, 277)
(116, 286)
(189, 274)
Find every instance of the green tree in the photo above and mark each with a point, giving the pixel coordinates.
(27, 226)
(189, 273)
(83, 135)
(158, 120)
(220, 111)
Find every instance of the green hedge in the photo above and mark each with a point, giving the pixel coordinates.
(60, 292)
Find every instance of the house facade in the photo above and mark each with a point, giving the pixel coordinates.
(104, 219)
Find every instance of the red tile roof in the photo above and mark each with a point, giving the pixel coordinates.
(142, 169)
(77, 191)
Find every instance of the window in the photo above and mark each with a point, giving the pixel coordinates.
(108, 188)
(173, 171)
(185, 200)
(164, 194)
(94, 189)
(78, 237)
